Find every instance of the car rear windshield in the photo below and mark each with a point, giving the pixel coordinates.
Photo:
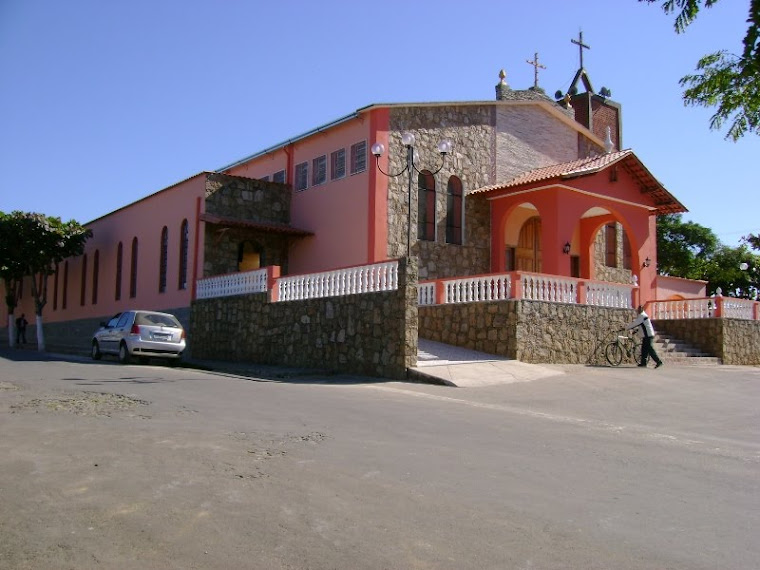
(157, 319)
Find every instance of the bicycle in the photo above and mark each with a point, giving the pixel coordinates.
(623, 345)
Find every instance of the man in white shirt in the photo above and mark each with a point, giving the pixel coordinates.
(647, 330)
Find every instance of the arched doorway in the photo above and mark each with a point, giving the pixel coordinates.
(528, 251)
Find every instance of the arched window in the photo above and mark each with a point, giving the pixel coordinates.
(133, 271)
(454, 211)
(95, 271)
(55, 289)
(183, 244)
(65, 285)
(83, 284)
(250, 256)
(163, 262)
(119, 263)
(426, 206)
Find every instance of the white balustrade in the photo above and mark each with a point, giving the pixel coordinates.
(232, 284)
(351, 281)
(426, 293)
(537, 287)
(737, 308)
(682, 309)
(609, 295)
(473, 289)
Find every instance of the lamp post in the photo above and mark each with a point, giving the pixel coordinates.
(407, 139)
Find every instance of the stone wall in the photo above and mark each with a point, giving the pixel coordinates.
(617, 274)
(530, 331)
(470, 128)
(372, 334)
(734, 341)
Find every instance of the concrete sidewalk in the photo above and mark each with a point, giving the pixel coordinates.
(460, 367)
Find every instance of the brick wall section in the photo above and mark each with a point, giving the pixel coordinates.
(373, 334)
(530, 331)
(734, 341)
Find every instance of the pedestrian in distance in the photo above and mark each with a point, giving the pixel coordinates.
(647, 330)
(21, 323)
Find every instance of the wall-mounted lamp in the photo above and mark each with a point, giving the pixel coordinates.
(647, 261)
(566, 248)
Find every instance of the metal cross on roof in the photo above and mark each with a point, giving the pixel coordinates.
(581, 45)
(535, 65)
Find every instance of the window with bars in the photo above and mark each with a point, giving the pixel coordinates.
(319, 170)
(302, 176)
(426, 206)
(338, 164)
(164, 261)
(454, 211)
(358, 157)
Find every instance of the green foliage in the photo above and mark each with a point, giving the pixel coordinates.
(31, 244)
(692, 251)
(729, 82)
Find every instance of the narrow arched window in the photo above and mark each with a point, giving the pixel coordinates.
(65, 284)
(119, 263)
(183, 244)
(454, 211)
(133, 271)
(55, 289)
(163, 263)
(83, 284)
(426, 206)
(95, 271)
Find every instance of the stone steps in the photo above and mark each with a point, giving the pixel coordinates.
(676, 351)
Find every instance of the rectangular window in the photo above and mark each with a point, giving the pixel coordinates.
(338, 164)
(55, 289)
(279, 177)
(302, 176)
(83, 287)
(575, 266)
(610, 235)
(319, 170)
(358, 157)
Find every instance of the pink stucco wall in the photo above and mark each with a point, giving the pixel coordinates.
(676, 288)
(144, 220)
(336, 211)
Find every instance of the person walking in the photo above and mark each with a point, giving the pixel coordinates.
(647, 330)
(21, 323)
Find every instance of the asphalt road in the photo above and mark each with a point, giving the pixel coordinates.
(109, 466)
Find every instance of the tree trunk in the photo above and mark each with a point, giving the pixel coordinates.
(40, 333)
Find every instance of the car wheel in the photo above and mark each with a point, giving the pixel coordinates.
(124, 356)
(95, 352)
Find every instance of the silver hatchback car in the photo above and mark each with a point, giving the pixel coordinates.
(141, 334)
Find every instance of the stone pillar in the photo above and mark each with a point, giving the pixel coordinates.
(408, 277)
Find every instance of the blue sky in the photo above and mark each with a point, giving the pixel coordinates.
(103, 103)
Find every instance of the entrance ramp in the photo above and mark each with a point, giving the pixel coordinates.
(440, 363)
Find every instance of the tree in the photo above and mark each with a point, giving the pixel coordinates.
(730, 82)
(684, 249)
(11, 269)
(37, 244)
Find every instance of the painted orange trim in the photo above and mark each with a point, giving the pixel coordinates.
(377, 211)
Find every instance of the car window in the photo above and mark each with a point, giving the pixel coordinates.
(157, 319)
(112, 323)
(123, 320)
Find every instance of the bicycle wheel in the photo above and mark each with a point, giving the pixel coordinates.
(636, 351)
(614, 353)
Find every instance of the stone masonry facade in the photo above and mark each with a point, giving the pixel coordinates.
(372, 334)
(734, 341)
(246, 200)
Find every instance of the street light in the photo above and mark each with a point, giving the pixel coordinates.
(407, 139)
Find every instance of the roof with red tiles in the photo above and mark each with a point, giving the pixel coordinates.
(664, 201)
